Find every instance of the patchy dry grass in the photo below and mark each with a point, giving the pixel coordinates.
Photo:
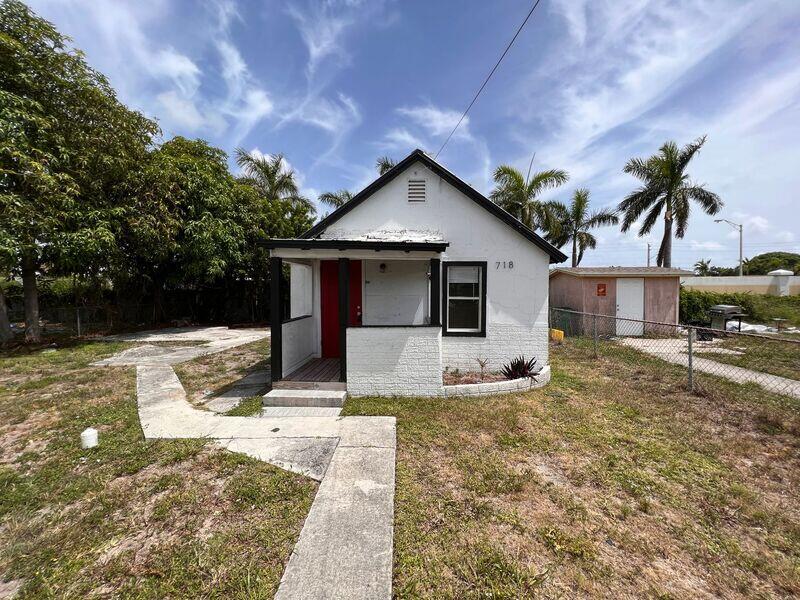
(216, 372)
(133, 518)
(612, 481)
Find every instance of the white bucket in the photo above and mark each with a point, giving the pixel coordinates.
(89, 437)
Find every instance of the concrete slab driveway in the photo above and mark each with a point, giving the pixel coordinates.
(345, 547)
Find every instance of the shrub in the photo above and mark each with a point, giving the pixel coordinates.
(520, 367)
(694, 304)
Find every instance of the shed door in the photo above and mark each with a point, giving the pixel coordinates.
(630, 305)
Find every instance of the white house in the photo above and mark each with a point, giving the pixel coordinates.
(416, 273)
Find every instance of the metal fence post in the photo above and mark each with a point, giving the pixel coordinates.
(594, 326)
(78, 319)
(691, 372)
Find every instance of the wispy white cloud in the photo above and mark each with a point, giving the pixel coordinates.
(164, 80)
(322, 30)
(400, 138)
(437, 122)
(706, 245)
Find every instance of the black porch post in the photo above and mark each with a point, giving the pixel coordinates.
(435, 301)
(344, 314)
(276, 317)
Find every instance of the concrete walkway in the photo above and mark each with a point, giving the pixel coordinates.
(345, 547)
(676, 351)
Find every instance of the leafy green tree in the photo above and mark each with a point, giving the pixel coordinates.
(384, 164)
(576, 222)
(182, 222)
(335, 199)
(762, 264)
(271, 177)
(666, 188)
(520, 196)
(189, 222)
(66, 144)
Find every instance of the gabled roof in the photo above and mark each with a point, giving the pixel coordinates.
(556, 256)
(621, 271)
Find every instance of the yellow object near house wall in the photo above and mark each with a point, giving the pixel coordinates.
(556, 335)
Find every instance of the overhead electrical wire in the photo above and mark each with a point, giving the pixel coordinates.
(488, 77)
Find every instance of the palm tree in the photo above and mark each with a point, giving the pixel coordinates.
(666, 187)
(520, 197)
(271, 177)
(335, 199)
(702, 268)
(577, 222)
(383, 164)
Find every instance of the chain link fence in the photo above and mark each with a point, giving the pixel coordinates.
(772, 362)
(85, 320)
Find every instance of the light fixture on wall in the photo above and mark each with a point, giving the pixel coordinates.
(382, 268)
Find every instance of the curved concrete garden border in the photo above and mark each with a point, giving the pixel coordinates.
(523, 384)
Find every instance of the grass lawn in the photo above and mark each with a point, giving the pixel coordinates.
(777, 307)
(773, 356)
(612, 481)
(133, 518)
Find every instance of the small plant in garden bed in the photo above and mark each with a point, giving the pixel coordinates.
(520, 367)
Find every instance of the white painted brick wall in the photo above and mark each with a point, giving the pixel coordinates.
(501, 344)
(394, 361)
(299, 343)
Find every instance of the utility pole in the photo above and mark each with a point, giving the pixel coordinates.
(648, 254)
(740, 227)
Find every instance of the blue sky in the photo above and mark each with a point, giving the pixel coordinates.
(333, 84)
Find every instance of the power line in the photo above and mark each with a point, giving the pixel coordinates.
(478, 93)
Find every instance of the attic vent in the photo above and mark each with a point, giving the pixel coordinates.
(416, 190)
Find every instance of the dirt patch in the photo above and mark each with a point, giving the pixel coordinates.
(18, 438)
(211, 375)
(459, 377)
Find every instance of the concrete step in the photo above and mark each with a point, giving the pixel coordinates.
(280, 397)
(300, 411)
(309, 385)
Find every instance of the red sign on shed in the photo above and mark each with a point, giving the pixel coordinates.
(601, 289)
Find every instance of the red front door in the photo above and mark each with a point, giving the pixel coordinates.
(329, 298)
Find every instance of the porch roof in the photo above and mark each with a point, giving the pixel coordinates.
(344, 244)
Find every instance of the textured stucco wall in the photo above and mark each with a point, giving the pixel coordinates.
(756, 284)
(566, 291)
(661, 299)
(517, 299)
(394, 361)
(299, 343)
(398, 295)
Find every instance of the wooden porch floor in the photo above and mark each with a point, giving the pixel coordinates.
(319, 370)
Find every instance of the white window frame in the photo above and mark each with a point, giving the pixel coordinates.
(480, 331)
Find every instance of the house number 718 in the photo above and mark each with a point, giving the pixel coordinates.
(506, 264)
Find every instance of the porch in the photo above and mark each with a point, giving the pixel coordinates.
(352, 308)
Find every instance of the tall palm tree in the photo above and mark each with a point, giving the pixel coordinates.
(577, 222)
(667, 188)
(335, 199)
(702, 268)
(271, 177)
(520, 196)
(383, 164)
